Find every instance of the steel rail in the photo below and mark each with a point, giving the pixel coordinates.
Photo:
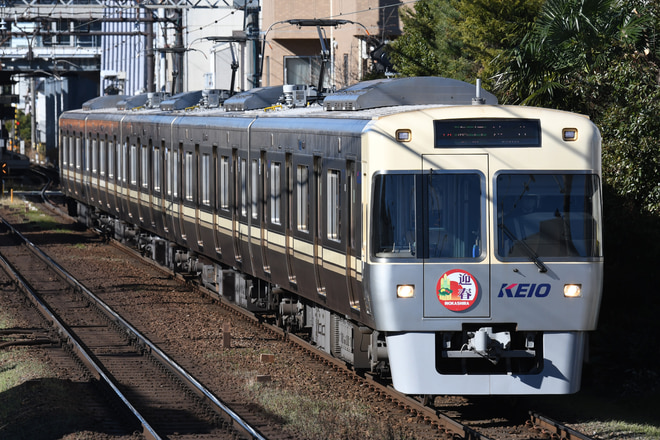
(72, 340)
(237, 421)
(556, 428)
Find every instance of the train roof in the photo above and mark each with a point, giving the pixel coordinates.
(367, 99)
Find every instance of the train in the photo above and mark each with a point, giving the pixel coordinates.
(412, 227)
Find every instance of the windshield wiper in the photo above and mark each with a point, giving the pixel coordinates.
(532, 255)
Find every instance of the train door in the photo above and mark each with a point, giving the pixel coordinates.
(202, 189)
(452, 237)
(289, 218)
(95, 192)
(223, 208)
(77, 160)
(238, 202)
(157, 201)
(86, 169)
(173, 203)
(114, 168)
(122, 163)
(353, 266)
(318, 230)
(103, 171)
(166, 198)
(143, 196)
(184, 170)
(263, 212)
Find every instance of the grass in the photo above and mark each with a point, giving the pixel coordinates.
(16, 368)
(616, 429)
(314, 419)
(36, 218)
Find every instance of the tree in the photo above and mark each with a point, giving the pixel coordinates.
(415, 53)
(592, 57)
(459, 39)
(569, 40)
(630, 130)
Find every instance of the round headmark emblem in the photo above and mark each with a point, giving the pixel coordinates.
(457, 290)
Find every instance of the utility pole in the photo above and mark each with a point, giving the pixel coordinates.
(251, 26)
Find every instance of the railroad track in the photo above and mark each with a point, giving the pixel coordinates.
(160, 394)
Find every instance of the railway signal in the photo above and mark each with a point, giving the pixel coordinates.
(4, 168)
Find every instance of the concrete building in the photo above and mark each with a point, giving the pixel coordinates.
(292, 53)
(63, 53)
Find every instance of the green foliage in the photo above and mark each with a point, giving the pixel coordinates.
(631, 129)
(459, 39)
(489, 27)
(569, 40)
(415, 53)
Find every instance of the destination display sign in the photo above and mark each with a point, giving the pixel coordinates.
(457, 133)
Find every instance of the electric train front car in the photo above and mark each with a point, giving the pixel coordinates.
(485, 262)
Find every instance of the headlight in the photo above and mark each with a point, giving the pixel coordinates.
(572, 290)
(405, 290)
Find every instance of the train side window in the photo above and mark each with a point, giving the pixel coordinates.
(302, 197)
(224, 183)
(111, 159)
(133, 165)
(243, 172)
(175, 172)
(254, 189)
(78, 159)
(120, 164)
(144, 166)
(102, 156)
(65, 151)
(275, 193)
(168, 172)
(87, 155)
(206, 179)
(157, 160)
(334, 205)
(188, 188)
(95, 155)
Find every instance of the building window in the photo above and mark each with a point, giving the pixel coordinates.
(303, 70)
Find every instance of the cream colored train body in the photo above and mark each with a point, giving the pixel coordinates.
(412, 226)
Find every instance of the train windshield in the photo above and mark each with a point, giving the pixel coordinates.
(548, 215)
(434, 215)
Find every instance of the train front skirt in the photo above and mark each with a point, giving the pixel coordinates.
(413, 366)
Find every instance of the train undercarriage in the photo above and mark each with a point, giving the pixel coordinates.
(361, 347)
